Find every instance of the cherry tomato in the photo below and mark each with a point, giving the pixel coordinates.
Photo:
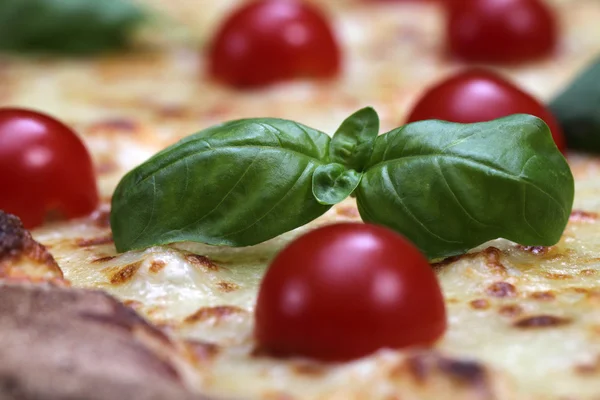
(44, 167)
(477, 95)
(267, 41)
(344, 291)
(500, 31)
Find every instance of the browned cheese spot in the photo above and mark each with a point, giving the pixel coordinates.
(591, 368)
(156, 266)
(537, 250)
(171, 111)
(218, 312)
(480, 304)
(501, 289)
(95, 241)
(123, 274)
(557, 276)
(542, 321)
(510, 310)
(588, 272)
(274, 395)
(201, 261)
(492, 260)
(309, 369)
(106, 167)
(227, 286)
(543, 296)
(583, 216)
(580, 290)
(114, 124)
(202, 351)
(464, 372)
(491, 257)
(594, 296)
(101, 217)
(134, 304)
(104, 259)
(460, 372)
(348, 211)
(417, 368)
(16, 243)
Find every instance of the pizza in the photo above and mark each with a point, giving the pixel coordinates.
(511, 314)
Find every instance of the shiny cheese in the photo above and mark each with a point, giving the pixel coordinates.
(524, 323)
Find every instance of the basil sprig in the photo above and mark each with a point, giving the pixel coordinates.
(577, 109)
(66, 26)
(447, 187)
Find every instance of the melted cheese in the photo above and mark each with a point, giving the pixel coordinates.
(523, 323)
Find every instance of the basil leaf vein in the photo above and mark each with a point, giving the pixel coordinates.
(235, 184)
(450, 187)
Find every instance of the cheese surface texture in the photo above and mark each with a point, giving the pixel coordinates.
(524, 323)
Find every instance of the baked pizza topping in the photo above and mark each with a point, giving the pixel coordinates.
(266, 41)
(69, 27)
(44, 168)
(476, 94)
(246, 181)
(500, 31)
(21, 257)
(325, 292)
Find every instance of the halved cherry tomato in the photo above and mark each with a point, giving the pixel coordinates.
(44, 167)
(476, 95)
(266, 41)
(500, 31)
(346, 290)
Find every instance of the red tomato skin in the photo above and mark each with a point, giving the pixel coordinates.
(267, 41)
(476, 95)
(44, 167)
(500, 31)
(346, 290)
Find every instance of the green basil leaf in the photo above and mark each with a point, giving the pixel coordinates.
(352, 143)
(577, 109)
(235, 184)
(332, 183)
(66, 26)
(449, 187)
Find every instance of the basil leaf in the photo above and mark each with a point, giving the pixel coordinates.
(577, 109)
(352, 143)
(66, 26)
(449, 187)
(235, 184)
(332, 183)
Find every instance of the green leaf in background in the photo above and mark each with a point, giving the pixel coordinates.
(352, 143)
(235, 184)
(577, 109)
(332, 183)
(67, 26)
(450, 187)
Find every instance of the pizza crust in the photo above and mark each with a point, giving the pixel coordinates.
(64, 343)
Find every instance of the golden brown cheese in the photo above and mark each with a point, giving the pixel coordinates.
(524, 322)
